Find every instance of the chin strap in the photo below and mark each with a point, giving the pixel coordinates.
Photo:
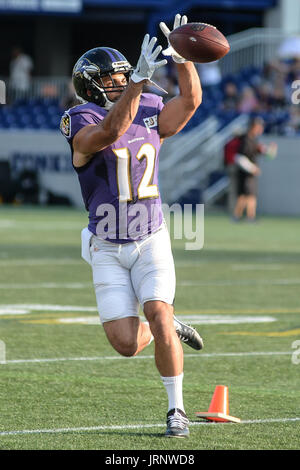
(108, 104)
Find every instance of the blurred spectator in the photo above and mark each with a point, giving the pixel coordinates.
(231, 97)
(278, 97)
(230, 151)
(8, 185)
(273, 69)
(264, 95)
(69, 99)
(28, 187)
(248, 102)
(210, 74)
(161, 78)
(21, 66)
(248, 170)
(267, 92)
(166, 82)
(49, 91)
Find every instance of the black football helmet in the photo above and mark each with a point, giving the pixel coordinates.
(91, 67)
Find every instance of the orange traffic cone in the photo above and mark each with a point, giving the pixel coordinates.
(219, 407)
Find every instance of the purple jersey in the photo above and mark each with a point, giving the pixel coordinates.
(119, 184)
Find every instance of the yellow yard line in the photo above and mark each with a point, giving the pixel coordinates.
(271, 334)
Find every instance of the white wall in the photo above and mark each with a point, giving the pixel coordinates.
(49, 153)
(279, 183)
(285, 16)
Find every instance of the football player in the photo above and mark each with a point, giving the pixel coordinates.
(115, 137)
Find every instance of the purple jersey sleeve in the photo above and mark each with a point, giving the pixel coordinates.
(72, 122)
(153, 101)
(160, 104)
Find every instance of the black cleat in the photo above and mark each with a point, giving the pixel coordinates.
(188, 335)
(177, 424)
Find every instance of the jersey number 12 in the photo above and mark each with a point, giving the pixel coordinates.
(145, 188)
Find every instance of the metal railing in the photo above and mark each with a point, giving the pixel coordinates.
(252, 47)
(181, 148)
(171, 153)
(53, 87)
(198, 161)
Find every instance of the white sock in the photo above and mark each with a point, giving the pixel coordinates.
(173, 386)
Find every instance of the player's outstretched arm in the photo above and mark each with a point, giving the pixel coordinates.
(178, 111)
(93, 138)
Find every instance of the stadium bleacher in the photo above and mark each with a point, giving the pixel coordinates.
(45, 113)
(35, 113)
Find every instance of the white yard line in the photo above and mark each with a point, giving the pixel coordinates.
(256, 267)
(187, 283)
(180, 264)
(194, 319)
(115, 358)
(7, 308)
(188, 315)
(41, 226)
(137, 426)
(47, 285)
(41, 262)
(240, 282)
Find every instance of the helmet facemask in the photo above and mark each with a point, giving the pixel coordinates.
(96, 85)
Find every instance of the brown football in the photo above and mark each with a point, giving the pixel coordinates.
(199, 42)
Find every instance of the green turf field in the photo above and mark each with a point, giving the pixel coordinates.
(63, 387)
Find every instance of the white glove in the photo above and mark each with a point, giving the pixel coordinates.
(146, 65)
(245, 164)
(178, 21)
